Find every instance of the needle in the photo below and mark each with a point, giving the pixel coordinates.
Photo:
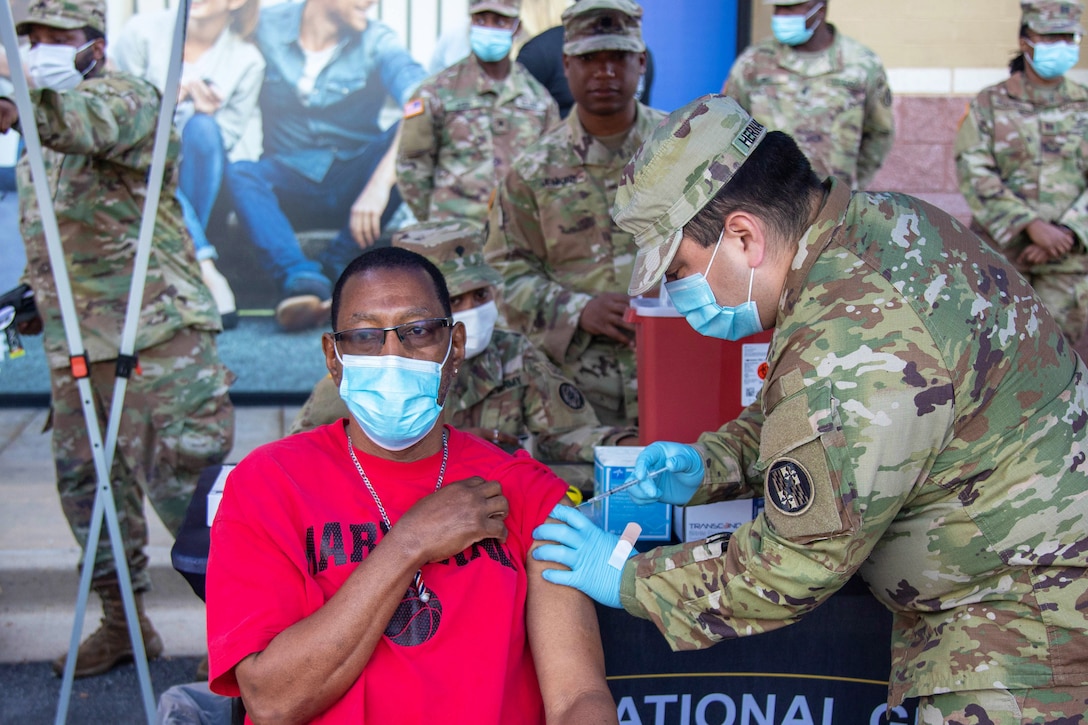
(624, 487)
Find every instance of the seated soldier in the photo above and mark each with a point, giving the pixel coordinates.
(507, 389)
(377, 569)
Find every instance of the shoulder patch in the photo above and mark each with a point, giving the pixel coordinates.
(789, 487)
(572, 396)
(414, 108)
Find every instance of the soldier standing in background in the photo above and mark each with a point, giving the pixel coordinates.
(465, 125)
(1022, 160)
(98, 133)
(922, 424)
(823, 88)
(506, 388)
(565, 264)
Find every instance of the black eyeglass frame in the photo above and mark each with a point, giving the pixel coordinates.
(447, 322)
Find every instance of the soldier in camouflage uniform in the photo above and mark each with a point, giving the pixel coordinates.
(922, 424)
(565, 264)
(506, 389)
(97, 129)
(1022, 160)
(464, 127)
(827, 91)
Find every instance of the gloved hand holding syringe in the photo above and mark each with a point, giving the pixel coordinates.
(592, 559)
(624, 486)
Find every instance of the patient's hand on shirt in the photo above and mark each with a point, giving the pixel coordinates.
(453, 518)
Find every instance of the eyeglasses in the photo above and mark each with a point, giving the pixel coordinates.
(418, 336)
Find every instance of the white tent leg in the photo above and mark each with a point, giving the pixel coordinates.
(103, 456)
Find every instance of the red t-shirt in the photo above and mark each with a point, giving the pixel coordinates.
(294, 522)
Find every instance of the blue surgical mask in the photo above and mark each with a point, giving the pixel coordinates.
(1053, 59)
(490, 44)
(694, 299)
(793, 29)
(393, 399)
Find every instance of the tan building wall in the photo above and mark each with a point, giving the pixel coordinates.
(939, 54)
(924, 34)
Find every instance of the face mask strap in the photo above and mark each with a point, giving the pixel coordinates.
(94, 61)
(810, 13)
(336, 351)
(449, 349)
(751, 278)
(1028, 56)
(715, 254)
(442, 369)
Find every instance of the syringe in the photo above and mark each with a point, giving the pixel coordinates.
(624, 487)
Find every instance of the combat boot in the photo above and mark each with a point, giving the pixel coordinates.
(110, 645)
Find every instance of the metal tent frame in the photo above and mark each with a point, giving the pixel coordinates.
(104, 505)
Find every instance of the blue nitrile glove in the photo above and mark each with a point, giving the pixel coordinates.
(678, 484)
(583, 548)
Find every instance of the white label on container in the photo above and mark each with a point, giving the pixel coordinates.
(752, 355)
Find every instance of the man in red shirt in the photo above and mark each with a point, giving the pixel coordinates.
(377, 569)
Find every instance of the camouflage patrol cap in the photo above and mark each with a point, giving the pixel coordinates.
(456, 248)
(509, 8)
(593, 25)
(1052, 17)
(687, 159)
(65, 15)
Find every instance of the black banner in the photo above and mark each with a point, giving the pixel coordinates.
(829, 669)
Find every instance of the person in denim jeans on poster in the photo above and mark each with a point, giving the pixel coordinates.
(216, 112)
(327, 162)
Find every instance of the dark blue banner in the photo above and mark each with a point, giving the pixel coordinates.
(831, 668)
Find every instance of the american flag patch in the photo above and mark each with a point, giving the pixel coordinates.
(413, 108)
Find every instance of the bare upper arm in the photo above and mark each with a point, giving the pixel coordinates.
(566, 644)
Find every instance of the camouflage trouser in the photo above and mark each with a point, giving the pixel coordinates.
(1066, 298)
(177, 420)
(1006, 707)
(606, 375)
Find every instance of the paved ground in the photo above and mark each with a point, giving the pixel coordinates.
(39, 582)
(29, 692)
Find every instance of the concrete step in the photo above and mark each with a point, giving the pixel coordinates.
(37, 605)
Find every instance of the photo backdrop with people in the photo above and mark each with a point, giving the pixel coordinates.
(281, 178)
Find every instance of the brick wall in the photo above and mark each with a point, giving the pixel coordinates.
(921, 161)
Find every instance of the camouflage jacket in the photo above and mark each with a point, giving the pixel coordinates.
(923, 424)
(511, 387)
(1021, 155)
(835, 103)
(553, 239)
(460, 133)
(98, 140)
